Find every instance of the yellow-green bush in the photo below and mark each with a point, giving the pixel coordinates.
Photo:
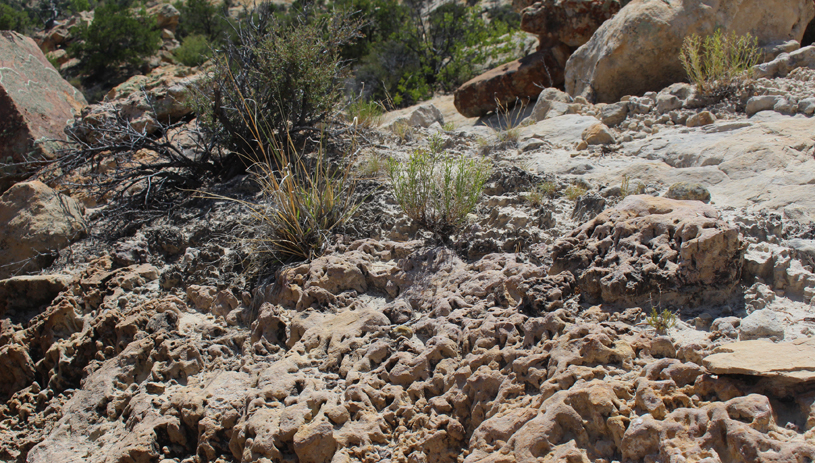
(720, 62)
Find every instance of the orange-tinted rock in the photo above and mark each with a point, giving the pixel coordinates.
(35, 104)
(521, 79)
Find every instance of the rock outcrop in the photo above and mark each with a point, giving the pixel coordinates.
(638, 50)
(35, 105)
(145, 101)
(35, 222)
(520, 80)
(561, 26)
(649, 249)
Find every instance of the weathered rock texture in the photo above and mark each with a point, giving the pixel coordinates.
(332, 370)
(35, 105)
(522, 79)
(561, 26)
(649, 249)
(638, 50)
(35, 222)
(144, 101)
(571, 22)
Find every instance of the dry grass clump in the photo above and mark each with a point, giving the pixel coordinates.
(719, 63)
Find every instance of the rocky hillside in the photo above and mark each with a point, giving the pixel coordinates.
(635, 284)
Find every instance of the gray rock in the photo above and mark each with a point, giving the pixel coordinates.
(783, 106)
(425, 116)
(761, 324)
(807, 106)
(760, 103)
(550, 100)
(667, 103)
(613, 114)
(786, 62)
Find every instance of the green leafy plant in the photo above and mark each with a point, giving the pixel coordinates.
(720, 62)
(194, 50)
(437, 191)
(116, 36)
(661, 321)
(436, 144)
(201, 17)
(431, 48)
(449, 126)
(14, 19)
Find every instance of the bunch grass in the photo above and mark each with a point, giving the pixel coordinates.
(719, 63)
(438, 191)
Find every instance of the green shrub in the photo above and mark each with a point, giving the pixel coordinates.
(194, 50)
(284, 78)
(200, 17)
(14, 18)
(438, 191)
(661, 321)
(429, 52)
(718, 63)
(117, 36)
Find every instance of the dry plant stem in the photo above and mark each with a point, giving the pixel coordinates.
(303, 205)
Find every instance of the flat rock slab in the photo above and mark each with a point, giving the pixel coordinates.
(35, 104)
(794, 361)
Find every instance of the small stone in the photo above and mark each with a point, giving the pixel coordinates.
(700, 119)
(598, 134)
(582, 145)
(807, 106)
(760, 103)
(666, 103)
(688, 191)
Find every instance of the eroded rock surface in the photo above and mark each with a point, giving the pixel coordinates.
(35, 222)
(653, 249)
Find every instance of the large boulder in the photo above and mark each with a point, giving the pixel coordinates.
(638, 50)
(35, 222)
(650, 250)
(571, 22)
(35, 105)
(521, 79)
(561, 26)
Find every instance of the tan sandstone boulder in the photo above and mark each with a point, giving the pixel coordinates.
(35, 105)
(651, 249)
(638, 50)
(35, 222)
